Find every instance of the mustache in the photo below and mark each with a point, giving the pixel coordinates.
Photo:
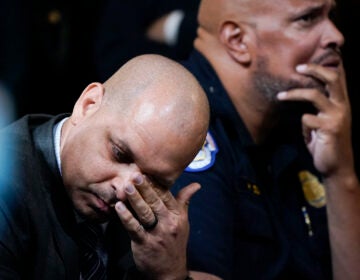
(332, 57)
(334, 53)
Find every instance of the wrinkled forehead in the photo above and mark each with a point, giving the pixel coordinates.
(302, 2)
(257, 11)
(158, 152)
(259, 5)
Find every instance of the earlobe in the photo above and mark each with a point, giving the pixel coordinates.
(89, 101)
(232, 36)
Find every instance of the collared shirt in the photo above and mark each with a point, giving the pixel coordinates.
(57, 136)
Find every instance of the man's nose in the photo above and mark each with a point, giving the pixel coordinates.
(332, 37)
(126, 175)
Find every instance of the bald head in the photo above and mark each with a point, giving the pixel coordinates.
(150, 117)
(153, 89)
(152, 113)
(213, 13)
(154, 76)
(157, 80)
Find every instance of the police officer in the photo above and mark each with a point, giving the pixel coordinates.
(280, 198)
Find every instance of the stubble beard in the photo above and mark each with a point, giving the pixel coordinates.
(269, 85)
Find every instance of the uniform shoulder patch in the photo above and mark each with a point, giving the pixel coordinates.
(205, 157)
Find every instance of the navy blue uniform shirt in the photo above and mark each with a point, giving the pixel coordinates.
(261, 211)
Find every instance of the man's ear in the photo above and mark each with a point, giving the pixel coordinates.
(233, 37)
(89, 102)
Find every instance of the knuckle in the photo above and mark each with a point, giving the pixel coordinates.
(166, 197)
(147, 215)
(139, 228)
(152, 199)
(126, 219)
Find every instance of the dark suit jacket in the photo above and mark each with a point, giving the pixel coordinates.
(37, 237)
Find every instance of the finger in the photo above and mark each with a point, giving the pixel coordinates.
(187, 192)
(311, 122)
(160, 198)
(314, 96)
(168, 200)
(130, 223)
(146, 189)
(317, 71)
(306, 132)
(142, 209)
(333, 78)
(150, 193)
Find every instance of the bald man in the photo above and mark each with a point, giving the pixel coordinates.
(110, 163)
(279, 198)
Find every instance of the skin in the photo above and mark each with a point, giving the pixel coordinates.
(269, 54)
(125, 144)
(156, 29)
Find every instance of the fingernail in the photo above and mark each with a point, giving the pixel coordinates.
(281, 95)
(129, 189)
(301, 68)
(120, 206)
(138, 179)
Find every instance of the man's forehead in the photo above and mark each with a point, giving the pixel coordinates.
(313, 2)
(288, 6)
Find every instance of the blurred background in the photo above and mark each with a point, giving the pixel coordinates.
(51, 49)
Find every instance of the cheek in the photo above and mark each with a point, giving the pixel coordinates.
(98, 170)
(304, 53)
(82, 169)
(288, 49)
(302, 48)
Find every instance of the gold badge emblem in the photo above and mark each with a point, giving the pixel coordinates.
(254, 188)
(313, 190)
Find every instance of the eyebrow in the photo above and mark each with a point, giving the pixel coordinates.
(314, 9)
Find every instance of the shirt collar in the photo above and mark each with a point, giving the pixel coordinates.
(57, 135)
(220, 103)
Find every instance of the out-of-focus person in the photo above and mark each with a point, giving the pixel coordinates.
(45, 49)
(132, 27)
(280, 198)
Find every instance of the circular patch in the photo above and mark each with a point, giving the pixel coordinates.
(205, 157)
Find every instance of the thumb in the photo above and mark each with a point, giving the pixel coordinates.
(185, 194)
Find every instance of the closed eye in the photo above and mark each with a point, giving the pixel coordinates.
(309, 18)
(121, 156)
